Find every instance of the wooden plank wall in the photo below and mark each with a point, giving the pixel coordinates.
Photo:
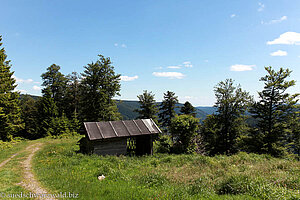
(114, 146)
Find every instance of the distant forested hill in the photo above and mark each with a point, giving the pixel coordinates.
(126, 108)
(32, 96)
(207, 109)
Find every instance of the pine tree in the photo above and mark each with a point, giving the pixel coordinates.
(148, 108)
(188, 109)
(167, 108)
(293, 131)
(98, 86)
(29, 116)
(10, 112)
(47, 111)
(273, 111)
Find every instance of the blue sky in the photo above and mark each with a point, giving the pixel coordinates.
(184, 46)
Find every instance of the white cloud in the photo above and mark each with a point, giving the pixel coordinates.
(205, 60)
(261, 7)
(240, 68)
(279, 53)
(120, 45)
(174, 67)
(275, 21)
(171, 75)
(187, 64)
(19, 80)
(128, 78)
(232, 15)
(37, 88)
(287, 38)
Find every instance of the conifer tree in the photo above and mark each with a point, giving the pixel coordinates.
(148, 108)
(47, 111)
(29, 116)
(10, 112)
(273, 111)
(167, 108)
(188, 109)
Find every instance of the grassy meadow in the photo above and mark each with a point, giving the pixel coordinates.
(60, 168)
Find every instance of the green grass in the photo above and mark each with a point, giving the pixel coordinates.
(10, 173)
(162, 176)
(7, 149)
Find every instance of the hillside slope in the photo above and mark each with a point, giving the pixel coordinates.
(126, 108)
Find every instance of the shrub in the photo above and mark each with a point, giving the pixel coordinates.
(163, 144)
(184, 130)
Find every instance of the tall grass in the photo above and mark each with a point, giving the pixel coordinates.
(161, 176)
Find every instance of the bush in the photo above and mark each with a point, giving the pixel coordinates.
(184, 130)
(163, 144)
(10, 144)
(62, 127)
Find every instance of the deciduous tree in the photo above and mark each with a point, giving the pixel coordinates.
(99, 85)
(222, 130)
(57, 83)
(184, 130)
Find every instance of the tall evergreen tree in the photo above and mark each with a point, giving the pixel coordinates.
(98, 86)
(293, 133)
(167, 108)
(57, 83)
(72, 95)
(222, 130)
(188, 109)
(10, 112)
(29, 116)
(148, 107)
(273, 112)
(47, 112)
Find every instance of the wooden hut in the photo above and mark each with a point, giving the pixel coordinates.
(111, 137)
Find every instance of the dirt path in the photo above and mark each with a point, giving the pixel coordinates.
(7, 160)
(29, 181)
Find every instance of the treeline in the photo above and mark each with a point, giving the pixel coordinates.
(270, 125)
(69, 100)
(66, 102)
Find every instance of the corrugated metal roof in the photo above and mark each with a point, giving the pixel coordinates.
(126, 128)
